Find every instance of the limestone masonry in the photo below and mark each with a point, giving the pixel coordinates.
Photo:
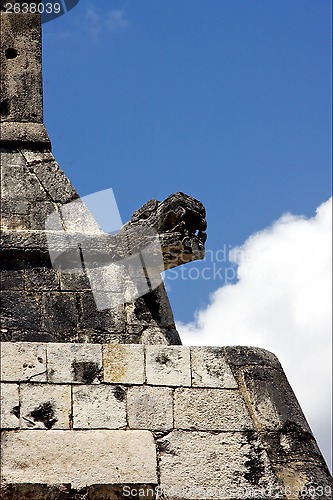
(104, 402)
(92, 420)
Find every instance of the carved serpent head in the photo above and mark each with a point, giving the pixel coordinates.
(180, 221)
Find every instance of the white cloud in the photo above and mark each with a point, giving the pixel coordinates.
(94, 22)
(117, 20)
(282, 302)
(114, 21)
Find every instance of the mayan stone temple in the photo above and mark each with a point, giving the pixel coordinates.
(99, 399)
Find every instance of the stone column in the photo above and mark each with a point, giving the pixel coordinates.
(21, 105)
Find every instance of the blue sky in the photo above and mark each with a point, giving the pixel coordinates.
(228, 101)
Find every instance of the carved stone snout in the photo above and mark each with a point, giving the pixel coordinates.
(180, 221)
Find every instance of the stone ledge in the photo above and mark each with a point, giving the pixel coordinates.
(21, 133)
(131, 364)
(81, 458)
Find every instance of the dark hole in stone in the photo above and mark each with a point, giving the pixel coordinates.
(40, 360)
(10, 53)
(256, 470)
(44, 413)
(165, 447)
(119, 393)
(16, 411)
(152, 304)
(85, 371)
(4, 108)
(162, 358)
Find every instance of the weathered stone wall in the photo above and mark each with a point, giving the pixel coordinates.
(96, 421)
(41, 303)
(21, 92)
(88, 411)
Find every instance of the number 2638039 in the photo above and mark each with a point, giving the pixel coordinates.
(33, 8)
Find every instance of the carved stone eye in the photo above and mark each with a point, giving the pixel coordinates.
(173, 219)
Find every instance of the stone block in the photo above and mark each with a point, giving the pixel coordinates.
(24, 132)
(26, 241)
(99, 407)
(10, 406)
(45, 406)
(60, 311)
(21, 80)
(145, 310)
(210, 410)
(18, 183)
(150, 408)
(14, 221)
(155, 335)
(219, 466)
(23, 361)
(107, 320)
(96, 337)
(36, 492)
(272, 401)
(123, 364)
(210, 369)
(33, 157)
(11, 158)
(168, 365)
(80, 458)
(51, 177)
(12, 279)
(77, 217)
(246, 356)
(70, 281)
(39, 213)
(41, 278)
(74, 363)
(20, 310)
(18, 207)
(107, 277)
(22, 335)
(290, 443)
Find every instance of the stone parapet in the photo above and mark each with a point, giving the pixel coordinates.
(110, 421)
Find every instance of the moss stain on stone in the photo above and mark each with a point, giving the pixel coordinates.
(114, 362)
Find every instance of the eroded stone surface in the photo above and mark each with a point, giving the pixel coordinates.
(304, 479)
(21, 77)
(74, 363)
(211, 410)
(150, 408)
(79, 458)
(246, 356)
(210, 369)
(23, 361)
(200, 465)
(123, 364)
(168, 365)
(10, 406)
(45, 406)
(271, 398)
(99, 407)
